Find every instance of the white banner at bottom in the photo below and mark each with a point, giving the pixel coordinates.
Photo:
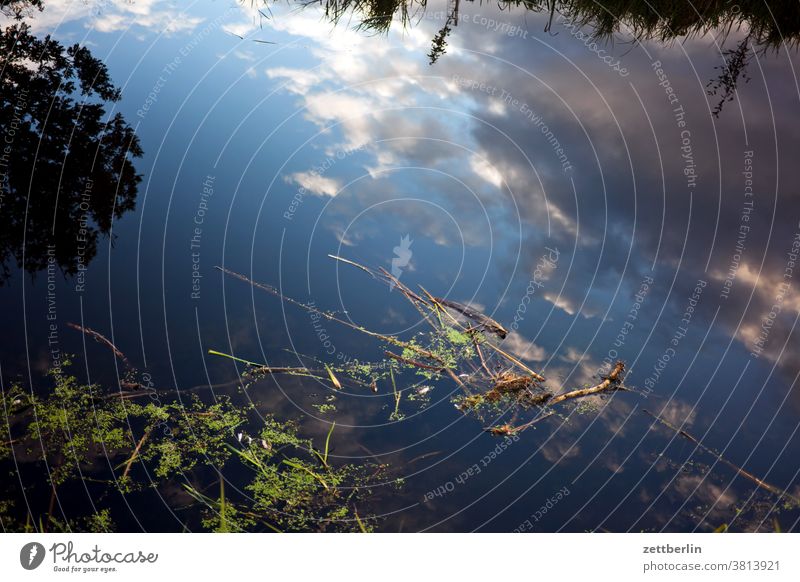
(402, 557)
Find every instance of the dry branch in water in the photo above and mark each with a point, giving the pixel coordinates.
(135, 454)
(518, 386)
(746, 474)
(470, 313)
(611, 382)
(100, 338)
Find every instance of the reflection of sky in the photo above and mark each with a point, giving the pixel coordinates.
(473, 176)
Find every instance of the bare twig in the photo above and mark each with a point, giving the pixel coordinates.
(515, 361)
(611, 382)
(508, 429)
(387, 338)
(135, 454)
(476, 316)
(480, 356)
(98, 337)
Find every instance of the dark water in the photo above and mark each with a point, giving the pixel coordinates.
(670, 237)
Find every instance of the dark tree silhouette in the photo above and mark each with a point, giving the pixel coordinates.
(65, 164)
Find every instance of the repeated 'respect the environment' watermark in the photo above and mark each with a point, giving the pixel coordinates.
(171, 67)
(508, 99)
(743, 230)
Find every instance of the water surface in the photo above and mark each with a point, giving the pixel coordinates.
(580, 192)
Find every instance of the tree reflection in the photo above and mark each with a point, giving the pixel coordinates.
(65, 163)
(768, 25)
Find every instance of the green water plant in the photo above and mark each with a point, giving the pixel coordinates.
(72, 434)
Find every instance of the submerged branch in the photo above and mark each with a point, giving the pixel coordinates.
(100, 338)
(746, 474)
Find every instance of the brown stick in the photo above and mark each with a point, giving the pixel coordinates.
(135, 453)
(527, 425)
(506, 355)
(514, 360)
(408, 292)
(482, 319)
(612, 381)
(388, 278)
(131, 393)
(415, 300)
(98, 337)
(285, 370)
(382, 274)
(480, 355)
(746, 474)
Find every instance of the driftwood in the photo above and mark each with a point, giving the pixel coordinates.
(329, 316)
(611, 382)
(479, 351)
(521, 387)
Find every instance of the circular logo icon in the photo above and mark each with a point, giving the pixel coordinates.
(31, 555)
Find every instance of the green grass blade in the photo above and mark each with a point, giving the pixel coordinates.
(327, 443)
(230, 357)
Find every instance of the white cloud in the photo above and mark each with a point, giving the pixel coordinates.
(486, 171)
(561, 302)
(315, 183)
(114, 15)
(524, 348)
(298, 81)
